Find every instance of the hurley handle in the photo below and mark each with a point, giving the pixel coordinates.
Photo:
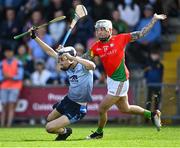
(66, 37)
(21, 35)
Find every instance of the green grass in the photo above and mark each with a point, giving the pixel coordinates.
(114, 136)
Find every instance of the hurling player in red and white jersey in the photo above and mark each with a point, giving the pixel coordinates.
(111, 50)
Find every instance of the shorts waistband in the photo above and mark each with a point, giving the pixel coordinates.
(77, 103)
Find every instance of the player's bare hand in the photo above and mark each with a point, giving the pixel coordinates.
(160, 16)
(68, 56)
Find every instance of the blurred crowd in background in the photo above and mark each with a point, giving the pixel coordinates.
(17, 16)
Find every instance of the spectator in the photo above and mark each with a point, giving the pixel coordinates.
(80, 50)
(154, 77)
(26, 60)
(11, 75)
(73, 7)
(141, 49)
(157, 5)
(154, 34)
(118, 24)
(51, 66)
(35, 19)
(56, 5)
(58, 29)
(41, 75)
(82, 32)
(171, 7)
(26, 9)
(9, 27)
(88, 5)
(83, 29)
(35, 50)
(130, 13)
(99, 10)
(11, 3)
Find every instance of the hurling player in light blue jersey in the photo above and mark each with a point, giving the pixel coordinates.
(74, 105)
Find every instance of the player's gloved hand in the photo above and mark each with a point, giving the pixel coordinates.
(32, 31)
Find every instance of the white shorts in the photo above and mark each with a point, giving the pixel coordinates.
(117, 88)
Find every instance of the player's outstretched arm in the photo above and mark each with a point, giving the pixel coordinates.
(43, 45)
(87, 63)
(46, 48)
(139, 34)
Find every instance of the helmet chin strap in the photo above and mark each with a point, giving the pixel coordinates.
(70, 65)
(104, 39)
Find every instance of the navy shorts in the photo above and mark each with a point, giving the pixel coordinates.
(71, 109)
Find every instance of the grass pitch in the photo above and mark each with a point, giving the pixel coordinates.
(114, 136)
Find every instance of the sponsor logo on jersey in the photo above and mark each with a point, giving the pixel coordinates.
(98, 49)
(73, 78)
(111, 45)
(105, 48)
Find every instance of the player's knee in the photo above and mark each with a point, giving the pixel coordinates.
(50, 128)
(48, 118)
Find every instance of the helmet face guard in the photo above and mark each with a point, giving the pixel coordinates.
(69, 50)
(107, 25)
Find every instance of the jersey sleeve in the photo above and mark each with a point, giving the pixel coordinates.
(125, 37)
(93, 51)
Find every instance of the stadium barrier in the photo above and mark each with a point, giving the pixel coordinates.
(36, 102)
(170, 100)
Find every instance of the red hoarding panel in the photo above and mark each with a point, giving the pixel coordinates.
(37, 101)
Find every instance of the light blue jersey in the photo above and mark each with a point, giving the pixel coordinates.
(81, 84)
